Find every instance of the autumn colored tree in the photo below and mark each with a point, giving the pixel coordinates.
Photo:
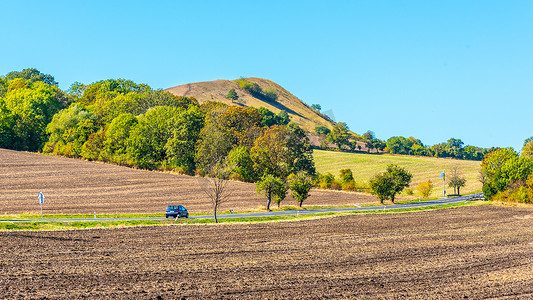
(527, 149)
(282, 150)
(424, 188)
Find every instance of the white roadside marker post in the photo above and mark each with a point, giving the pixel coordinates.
(41, 201)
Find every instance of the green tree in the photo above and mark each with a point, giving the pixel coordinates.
(32, 75)
(316, 107)
(299, 150)
(283, 118)
(455, 147)
(242, 164)
(369, 135)
(491, 167)
(232, 95)
(271, 187)
(27, 107)
(271, 119)
(300, 184)
(69, 130)
(322, 130)
(146, 145)
(399, 145)
(270, 95)
(117, 135)
(346, 175)
(185, 127)
(388, 184)
(339, 135)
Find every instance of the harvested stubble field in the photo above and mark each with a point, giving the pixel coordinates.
(78, 186)
(467, 252)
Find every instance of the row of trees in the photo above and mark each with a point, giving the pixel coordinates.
(341, 136)
(453, 148)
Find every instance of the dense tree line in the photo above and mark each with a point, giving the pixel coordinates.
(507, 175)
(131, 124)
(341, 136)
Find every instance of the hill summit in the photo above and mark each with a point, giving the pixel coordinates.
(256, 92)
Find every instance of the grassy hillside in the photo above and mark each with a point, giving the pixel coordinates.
(364, 166)
(217, 90)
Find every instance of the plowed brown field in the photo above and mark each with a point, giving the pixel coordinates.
(78, 186)
(468, 252)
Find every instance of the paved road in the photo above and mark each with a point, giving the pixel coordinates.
(280, 213)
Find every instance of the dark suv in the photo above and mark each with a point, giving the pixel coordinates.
(176, 211)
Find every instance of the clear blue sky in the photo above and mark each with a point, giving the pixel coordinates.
(428, 69)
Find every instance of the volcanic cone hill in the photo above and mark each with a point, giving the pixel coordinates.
(299, 112)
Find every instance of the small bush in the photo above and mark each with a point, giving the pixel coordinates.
(236, 176)
(325, 180)
(270, 95)
(335, 185)
(349, 186)
(409, 191)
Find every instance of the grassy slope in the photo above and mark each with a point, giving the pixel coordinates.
(364, 166)
(299, 112)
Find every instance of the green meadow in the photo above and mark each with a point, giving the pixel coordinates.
(364, 166)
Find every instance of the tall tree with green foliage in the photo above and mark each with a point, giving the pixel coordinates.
(146, 145)
(242, 164)
(300, 184)
(180, 148)
(282, 150)
(27, 107)
(339, 135)
(232, 95)
(399, 145)
(116, 137)
(272, 187)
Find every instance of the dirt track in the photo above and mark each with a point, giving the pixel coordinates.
(469, 252)
(77, 186)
